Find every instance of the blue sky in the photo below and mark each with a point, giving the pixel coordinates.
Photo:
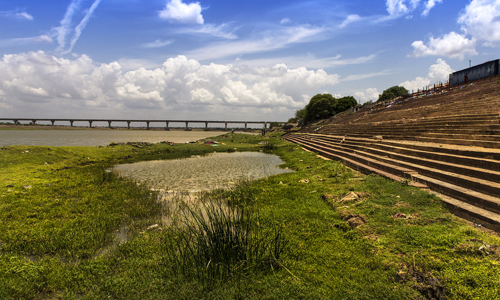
(214, 59)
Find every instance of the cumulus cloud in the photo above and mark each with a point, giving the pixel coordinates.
(452, 45)
(438, 72)
(180, 84)
(370, 94)
(179, 12)
(405, 8)
(397, 8)
(481, 19)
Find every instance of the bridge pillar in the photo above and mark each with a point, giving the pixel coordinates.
(71, 122)
(206, 126)
(16, 122)
(265, 126)
(128, 124)
(167, 128)
(187, 124)
(246, 126)
(147, 125)
(109, 124)
(34, 122)
(225, 127)
(52, 121)
(90, 123)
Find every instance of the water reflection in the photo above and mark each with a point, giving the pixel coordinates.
(208, 172)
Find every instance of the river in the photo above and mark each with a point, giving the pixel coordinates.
(95, 137)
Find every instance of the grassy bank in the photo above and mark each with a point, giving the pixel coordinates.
(69, 229)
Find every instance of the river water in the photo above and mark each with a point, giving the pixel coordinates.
(217, 170)
(95, 137)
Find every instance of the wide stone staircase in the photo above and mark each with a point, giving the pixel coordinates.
(449, 144)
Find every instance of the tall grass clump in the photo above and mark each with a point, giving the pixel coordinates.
(215, 240)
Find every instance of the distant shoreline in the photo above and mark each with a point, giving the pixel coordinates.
(61, 127)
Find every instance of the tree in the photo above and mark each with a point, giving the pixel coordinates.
(320, 106)
(392, 93)
(345, 103)
(300, 115)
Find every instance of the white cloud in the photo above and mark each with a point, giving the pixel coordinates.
(25, 41)
(285, 21)
(17, 15)
(481, 20)
(405, 8)
(180, 85)
(266, 41)
(157, 44)
(179, 12)
(24, 16)
(370, 94)
(128, 64)
(65, 24)
(65, 28)
(224, 30)
(308, 61)
(438, 72)
(396, 8)
(81, 26)
(452, 45)
(429, 5)
(43, 39)
(350, 19)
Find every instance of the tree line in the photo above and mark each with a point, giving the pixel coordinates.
(322, 106)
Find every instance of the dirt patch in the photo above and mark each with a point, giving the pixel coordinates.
(429, 286)
(355, 220)
(353, 196)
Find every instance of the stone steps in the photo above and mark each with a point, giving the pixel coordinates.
(453, 173)
(480, 130)
(467, 178)
(439, 106)
(483, 166)
(448, 142)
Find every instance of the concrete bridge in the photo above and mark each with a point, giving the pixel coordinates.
(18, 121)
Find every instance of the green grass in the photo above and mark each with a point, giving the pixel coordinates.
(78, 231)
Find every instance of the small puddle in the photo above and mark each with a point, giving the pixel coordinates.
(217, 170)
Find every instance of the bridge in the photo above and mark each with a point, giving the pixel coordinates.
(17, 121)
